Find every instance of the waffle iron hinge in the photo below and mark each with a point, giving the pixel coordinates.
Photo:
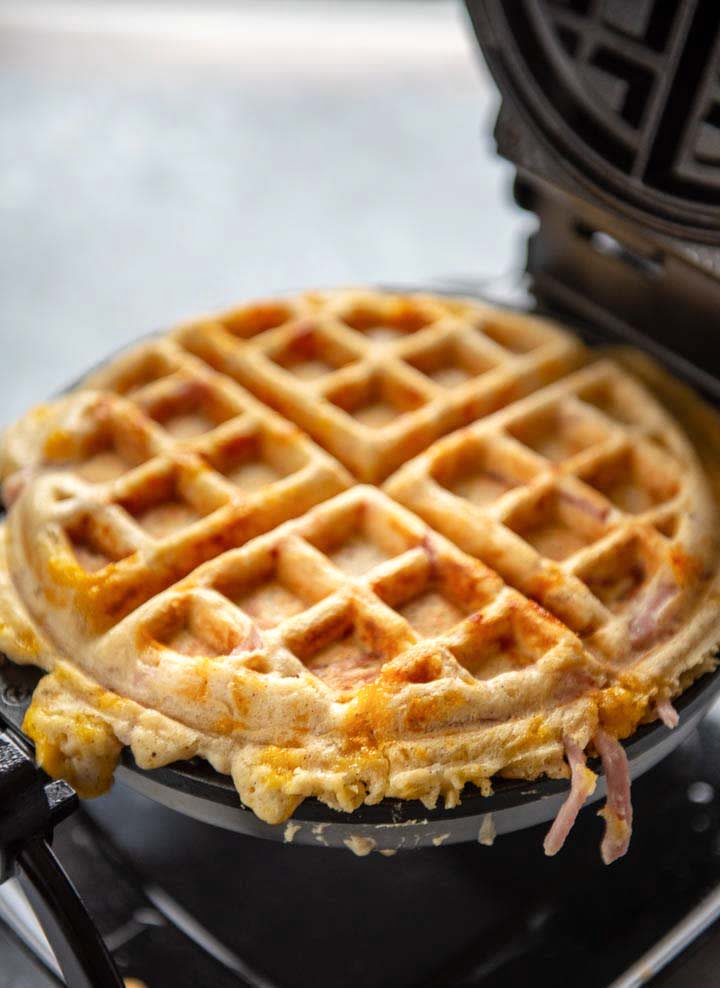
(589, 260)
(30, 807)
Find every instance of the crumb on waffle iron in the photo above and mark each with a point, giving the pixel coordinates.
(194, 553)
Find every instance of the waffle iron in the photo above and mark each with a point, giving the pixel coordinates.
(611, 115)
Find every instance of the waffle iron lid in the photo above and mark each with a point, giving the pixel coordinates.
(625, 97)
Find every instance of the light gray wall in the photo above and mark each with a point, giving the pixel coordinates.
(161, 159)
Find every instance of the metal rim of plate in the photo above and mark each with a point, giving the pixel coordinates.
(393, 824)
(195, 789)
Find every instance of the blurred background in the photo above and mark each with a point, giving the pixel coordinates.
(160, 158)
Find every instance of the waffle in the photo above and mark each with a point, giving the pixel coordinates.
(203, 576)
(376, 378)
(580, 497)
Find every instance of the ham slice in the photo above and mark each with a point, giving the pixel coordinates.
(649, 620)
(14, 485)
(667, 713)
(251, 642)
(582, 785)
(617, 811)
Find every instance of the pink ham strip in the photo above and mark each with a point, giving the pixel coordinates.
(618, 808)
(667, 713)
(646, 624)
(583, 504)
(13, 486)
(251, 642)
(582, 784)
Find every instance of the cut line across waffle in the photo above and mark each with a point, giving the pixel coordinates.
(376, 378)
(203, 577)
(344, 590)
(575, 508)
(185, 466)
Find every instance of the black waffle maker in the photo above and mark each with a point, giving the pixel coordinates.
(611, 115)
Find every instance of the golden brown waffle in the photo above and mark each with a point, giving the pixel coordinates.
(191, 569)
(582, 496)
(181, 467)
(376, 378)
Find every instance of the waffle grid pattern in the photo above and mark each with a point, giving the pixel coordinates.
(177, 466)
(354, 584)
(573, 497)
(567, 493)
(376, 379)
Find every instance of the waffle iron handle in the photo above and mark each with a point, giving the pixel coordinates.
(30, 807)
